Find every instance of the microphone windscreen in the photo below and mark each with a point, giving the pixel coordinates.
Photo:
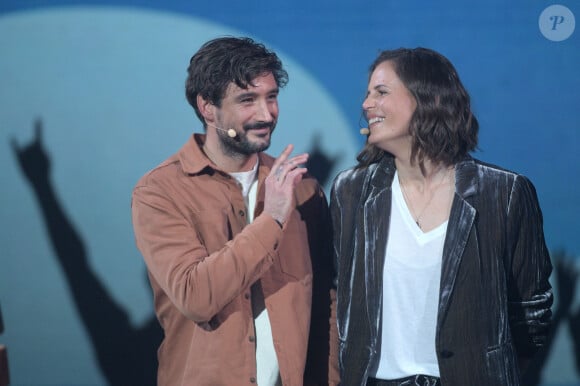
(364, 131)
(232, 133)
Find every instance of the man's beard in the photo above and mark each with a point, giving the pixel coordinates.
(240, 145)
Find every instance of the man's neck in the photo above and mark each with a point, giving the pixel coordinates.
(227, 162)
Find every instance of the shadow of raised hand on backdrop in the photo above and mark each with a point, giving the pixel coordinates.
(319, 163)
(566, 279)
(126, 354)
(574, 327)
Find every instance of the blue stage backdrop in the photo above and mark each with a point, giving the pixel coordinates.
(91, 97)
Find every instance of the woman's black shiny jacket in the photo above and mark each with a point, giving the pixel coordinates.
(495, 298)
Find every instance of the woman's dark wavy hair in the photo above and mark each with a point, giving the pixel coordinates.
(229, 59)
(443, 127)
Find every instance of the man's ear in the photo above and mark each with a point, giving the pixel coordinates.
(206, 108)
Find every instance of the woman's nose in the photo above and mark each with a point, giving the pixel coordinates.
(367, 103)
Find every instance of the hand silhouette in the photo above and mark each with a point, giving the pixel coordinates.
(571, 274)
(567, 277)
(32, 157)
(125, 354)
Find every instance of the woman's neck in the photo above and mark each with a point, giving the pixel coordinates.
(422, 179)
(428, 192)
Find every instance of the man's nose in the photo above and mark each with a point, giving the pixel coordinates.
(265, 112)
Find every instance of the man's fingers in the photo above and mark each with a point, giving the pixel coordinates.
(295, 176)
(282, 165)
(278, 172)
(298, 160)
(294, 163)
(282, 157)
(278, 169)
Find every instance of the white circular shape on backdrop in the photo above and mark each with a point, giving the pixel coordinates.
(108, 84)
(557, 23)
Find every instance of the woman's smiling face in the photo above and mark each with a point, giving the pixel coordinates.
(388, 107)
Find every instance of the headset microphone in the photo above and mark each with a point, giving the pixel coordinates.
(363, 130)
(231, 132)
